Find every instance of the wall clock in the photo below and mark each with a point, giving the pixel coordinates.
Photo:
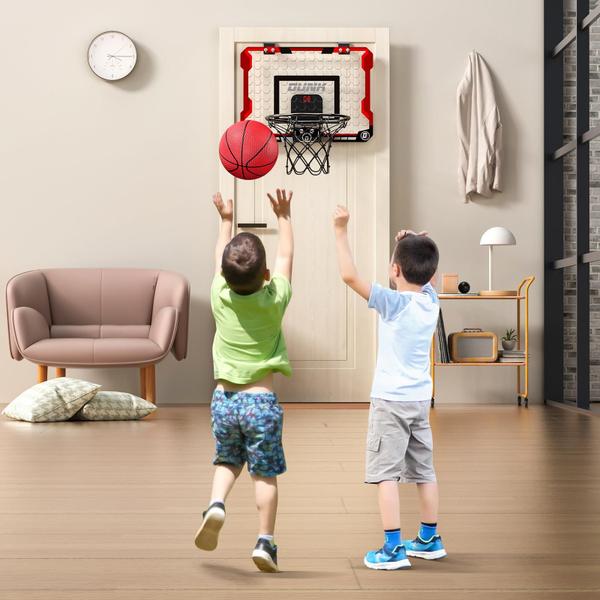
(112, 55)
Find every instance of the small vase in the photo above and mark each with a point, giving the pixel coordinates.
(509, 344)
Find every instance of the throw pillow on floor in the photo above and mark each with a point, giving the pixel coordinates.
(53, 400)
(114, 406)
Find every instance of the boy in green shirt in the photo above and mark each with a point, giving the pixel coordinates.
(248, 306)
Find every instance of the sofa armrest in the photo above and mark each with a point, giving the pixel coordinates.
(164, 328)
(173, 291)
(27, 289)
(30, 326)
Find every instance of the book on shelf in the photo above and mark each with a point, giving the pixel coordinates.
(443, 353)
(512, 359)
(509, 356)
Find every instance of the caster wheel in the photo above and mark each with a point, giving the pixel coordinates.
(526, 401)
(519, 400)
(432, 402)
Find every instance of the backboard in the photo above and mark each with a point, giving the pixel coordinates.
(309, 80)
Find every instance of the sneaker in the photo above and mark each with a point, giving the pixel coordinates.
(213, 517)
(432, 549)
(264, 556)
(387, 558)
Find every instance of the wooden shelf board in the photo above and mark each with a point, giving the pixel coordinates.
(461, 297)
(479, 364)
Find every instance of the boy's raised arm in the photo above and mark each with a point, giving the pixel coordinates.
(285, 249)
(346, 265)
(225, 229)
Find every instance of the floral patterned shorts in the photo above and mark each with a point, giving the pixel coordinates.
(247, 427)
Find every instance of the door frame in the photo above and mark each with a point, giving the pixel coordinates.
(379, 36)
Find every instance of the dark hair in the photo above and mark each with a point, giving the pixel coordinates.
(244, 263)
(418, 258)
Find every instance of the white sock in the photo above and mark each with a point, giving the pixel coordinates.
(264, 536)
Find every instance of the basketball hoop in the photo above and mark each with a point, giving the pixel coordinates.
(307, 139)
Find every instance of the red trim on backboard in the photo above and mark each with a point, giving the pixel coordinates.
(366, 63)
(246, 64)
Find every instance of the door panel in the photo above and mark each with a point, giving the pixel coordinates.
(316, 322)
(330, 332)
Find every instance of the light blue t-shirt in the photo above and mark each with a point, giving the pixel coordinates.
(407, 321)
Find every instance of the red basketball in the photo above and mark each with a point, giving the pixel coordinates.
(248, 149)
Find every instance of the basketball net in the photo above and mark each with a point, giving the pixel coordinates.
(307, 140)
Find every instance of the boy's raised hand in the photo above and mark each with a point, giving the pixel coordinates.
(285, 248)
(341, 216)
(281, 204)
(225, 208)
(346, 266)
(225, 228)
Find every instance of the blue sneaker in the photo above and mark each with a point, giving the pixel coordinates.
(432, 549)
(387, 558)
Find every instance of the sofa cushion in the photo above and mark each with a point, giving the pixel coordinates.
(137, 309)
(30, 326)
(96, 296)
(54, 400)
(109, 352)
(114, 406)
(124, 331)
(99, 331)
(74, 295)
(26, 290)
(75, 331)
(164, 326)
(116, 351)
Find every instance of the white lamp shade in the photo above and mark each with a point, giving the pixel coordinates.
(497, 236)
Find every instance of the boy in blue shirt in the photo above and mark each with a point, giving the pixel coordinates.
(399, 441)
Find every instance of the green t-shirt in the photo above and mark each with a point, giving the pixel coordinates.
(248, 341)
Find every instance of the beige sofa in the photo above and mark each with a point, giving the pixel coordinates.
(82, 318)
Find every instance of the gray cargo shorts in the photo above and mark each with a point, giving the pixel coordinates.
(399, 442)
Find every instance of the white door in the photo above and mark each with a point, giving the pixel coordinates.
(329, 331)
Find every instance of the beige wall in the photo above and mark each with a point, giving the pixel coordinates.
(120, 174)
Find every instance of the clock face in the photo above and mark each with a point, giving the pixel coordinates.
(112, 55)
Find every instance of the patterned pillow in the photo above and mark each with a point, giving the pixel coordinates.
(53, 400)
(115, 406)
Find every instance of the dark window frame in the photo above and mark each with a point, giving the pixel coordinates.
(555, 43)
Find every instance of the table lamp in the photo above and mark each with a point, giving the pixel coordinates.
(496, 236)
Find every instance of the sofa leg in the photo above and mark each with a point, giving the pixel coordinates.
(61, 372)
(151, 384)
(143, 382)
(42, 373)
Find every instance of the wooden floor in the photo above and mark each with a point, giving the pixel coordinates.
(105, 511)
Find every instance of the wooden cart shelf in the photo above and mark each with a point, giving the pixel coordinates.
(480, 364)
(464, 297)
(521, 298)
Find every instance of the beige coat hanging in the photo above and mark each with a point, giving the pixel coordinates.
(479, 132)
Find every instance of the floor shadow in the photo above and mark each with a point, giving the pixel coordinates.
(229, 572)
